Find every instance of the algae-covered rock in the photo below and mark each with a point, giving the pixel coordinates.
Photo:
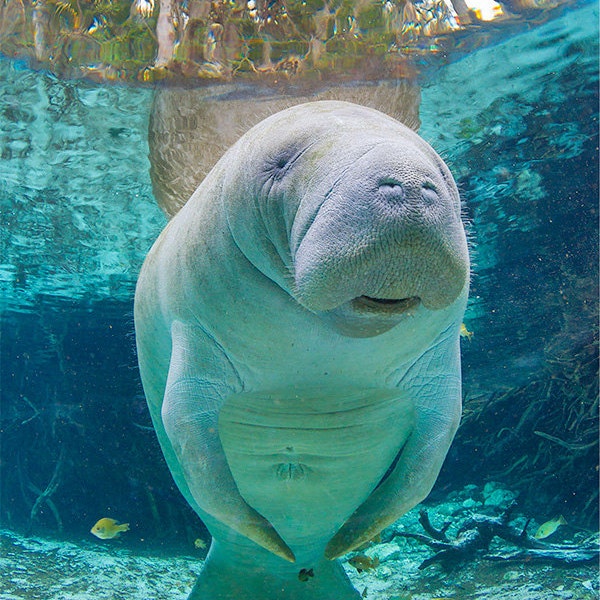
(495, 495)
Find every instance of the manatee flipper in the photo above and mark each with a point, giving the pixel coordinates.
(436, 378)
(200, 378)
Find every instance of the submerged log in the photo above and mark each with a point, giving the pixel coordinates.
(557, 555)
(475, 535)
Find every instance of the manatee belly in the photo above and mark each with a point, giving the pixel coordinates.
(306, 459)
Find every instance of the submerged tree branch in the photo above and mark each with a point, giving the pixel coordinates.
(568, 445)
(476, 534)
(45, 496)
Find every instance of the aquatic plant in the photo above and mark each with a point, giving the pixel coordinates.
(75, 443)
(541, 438)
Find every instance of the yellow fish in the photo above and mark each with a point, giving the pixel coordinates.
(464, 332)
(549, 527)
(362, 563)
(199, 543)
(107, 529)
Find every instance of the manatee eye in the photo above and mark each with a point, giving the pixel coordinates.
(279, 164)
(429, 193)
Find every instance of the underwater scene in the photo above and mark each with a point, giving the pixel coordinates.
(360, 361)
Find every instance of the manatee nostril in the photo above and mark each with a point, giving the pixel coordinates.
(429, 193)
(392, 189)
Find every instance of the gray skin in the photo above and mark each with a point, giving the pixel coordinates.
(298, 337)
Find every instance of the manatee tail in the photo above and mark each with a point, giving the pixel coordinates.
(256, 574)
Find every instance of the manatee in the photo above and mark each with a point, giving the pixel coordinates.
(191, 128)
(297, 326)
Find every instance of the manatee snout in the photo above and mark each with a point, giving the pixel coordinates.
(392, 191)
(387, 236)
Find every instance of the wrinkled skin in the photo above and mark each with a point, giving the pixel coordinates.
(298, 336)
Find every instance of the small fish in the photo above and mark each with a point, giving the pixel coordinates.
(361, 562)
(464, 332)
(306, 574)
(107, 529)
(199, 543)
(549, 527)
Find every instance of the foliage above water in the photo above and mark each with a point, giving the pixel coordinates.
(221, 40)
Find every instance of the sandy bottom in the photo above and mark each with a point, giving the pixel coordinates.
(43, 569)
(36, 568)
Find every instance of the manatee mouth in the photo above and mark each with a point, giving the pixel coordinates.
(387, 305)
